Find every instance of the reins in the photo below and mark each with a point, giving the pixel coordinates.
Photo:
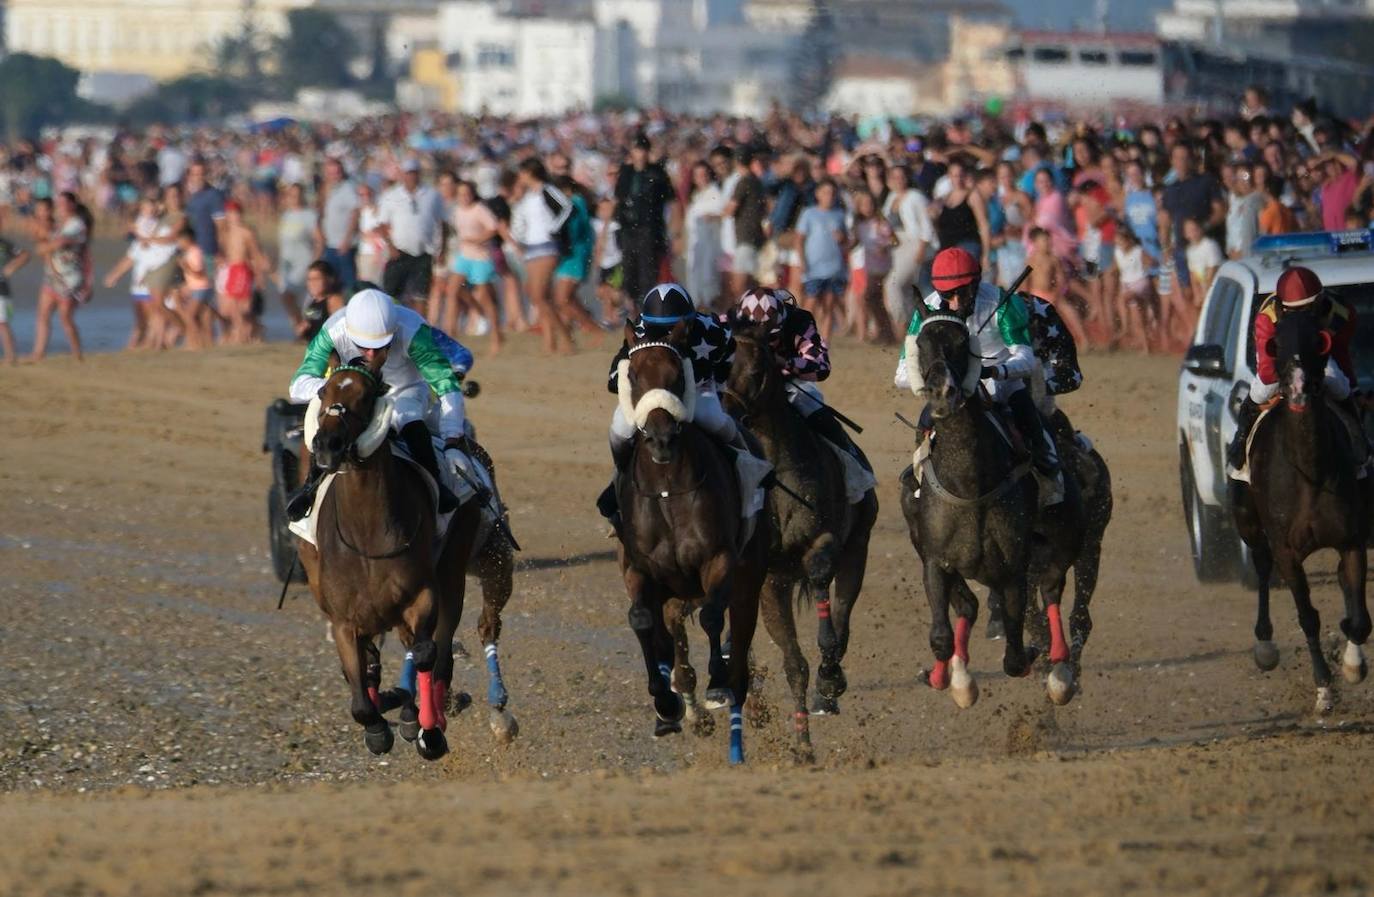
(1014, 476)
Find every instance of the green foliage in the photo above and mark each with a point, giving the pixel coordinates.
(190, 98)
(315, 51)
(813, 61)
(36, 91)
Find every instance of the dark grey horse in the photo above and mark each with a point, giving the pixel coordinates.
(1304, 496)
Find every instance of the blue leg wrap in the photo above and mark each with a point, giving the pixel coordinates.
(407, 680)
(736, 734)
(496, 687)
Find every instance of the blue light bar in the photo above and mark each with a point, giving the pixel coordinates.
(1319, 243)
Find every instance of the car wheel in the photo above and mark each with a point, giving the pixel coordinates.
(1208, 539)
(280, 539)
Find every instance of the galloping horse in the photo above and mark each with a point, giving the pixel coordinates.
(1303, 496)
(810, 545)
(680, 539)
(374, 567)
(977, 519)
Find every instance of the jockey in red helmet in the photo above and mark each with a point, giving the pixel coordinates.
(1001, 323)
(1298, 291)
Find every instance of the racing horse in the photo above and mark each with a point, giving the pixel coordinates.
(682, 546)
(374, 567)
(815, 542)
(976, 518)
(1303, 496)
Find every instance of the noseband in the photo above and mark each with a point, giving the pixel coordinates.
(681, 408)
(344, 413)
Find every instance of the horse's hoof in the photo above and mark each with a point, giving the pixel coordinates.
(503, 726)
(663, 728)
(410, 723)
(1353, 665)
(1060, 684)
(1266, 655)
(431, 744)
(716, 698)
(963, 687)
(496, 695)
(670, 708)
(393, 698)
(380, 741)
(831, 682)
(996, 631)
(1325, 703)
(457, 702)
(824, 706)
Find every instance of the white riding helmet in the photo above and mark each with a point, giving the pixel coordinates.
(370, 319)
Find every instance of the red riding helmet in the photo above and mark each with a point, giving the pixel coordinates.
(1298, 288)
(954, 269)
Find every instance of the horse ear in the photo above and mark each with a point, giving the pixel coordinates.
(1325, 337)
(1271, 348)
(629, 332)
(681, 330)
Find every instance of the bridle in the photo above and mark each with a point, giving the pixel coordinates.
(346, 414)
(662, 344)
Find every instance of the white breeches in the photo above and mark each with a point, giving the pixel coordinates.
(808, 404)
(445, 417)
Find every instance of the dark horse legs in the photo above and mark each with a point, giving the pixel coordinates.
(1266, 653)
(1290, 568)
(950, 646)
(1356, 624)
(353, 656)
(718, 582)
(646, 619)
(422, 617)
(775, 603)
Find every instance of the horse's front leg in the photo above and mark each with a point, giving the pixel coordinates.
(352, 649)
(1266, 652)
(1356, 624)
(683, 678)
(950, 645)
(422, 616)
(1290, 568)
(646, 620)
(495, 567)
(1016, 659)
(717, 580)
(1060, 684)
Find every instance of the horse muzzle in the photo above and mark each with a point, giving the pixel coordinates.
(329, 450)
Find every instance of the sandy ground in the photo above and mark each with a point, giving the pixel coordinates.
(145, 665)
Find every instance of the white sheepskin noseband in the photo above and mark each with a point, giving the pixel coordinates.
(681, 408)
(975, 367)
(369, 440)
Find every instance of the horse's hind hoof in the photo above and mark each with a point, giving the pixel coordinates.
(380, 741)
(1325, 702)
(824, 706)
(716, 698)
(1266, 655)
(457, 702)
(503, 726)
(393, 698)
(962, 686)
(410, 723)
(670, 708)
(431, 745)
(1060, 684)
(996, 631)
(831, 682)
(1353, 665)
(663, 728)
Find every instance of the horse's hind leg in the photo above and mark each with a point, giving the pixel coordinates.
(1266, 652)
(495, 567)
(1016, 659)
(352, 649)
(744, 615)
(1356, 624)
(850, 568)
(717, 584)
(646, 620)
(775, 606)
(683, 678)
(1085, 571)
(1060, 683)
(1290, 568)
(423, 617)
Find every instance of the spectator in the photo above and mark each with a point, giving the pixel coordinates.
(643, 194)
(340, 210)
(747, 206)
(704, 209)
(409, 214)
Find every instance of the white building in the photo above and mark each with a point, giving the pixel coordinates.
(876, 87)
(1203, 20)
(1086, 69)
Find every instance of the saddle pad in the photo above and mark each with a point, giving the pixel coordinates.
(1243, 474)
(751, 470)
(305, 527)
(857, 481)
(1358, 443)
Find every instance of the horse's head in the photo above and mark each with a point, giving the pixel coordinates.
(754, 376)
(947, 363)
(658, 389)
(348, 415)
(1300, 348)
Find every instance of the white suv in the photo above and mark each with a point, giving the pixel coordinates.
(1218, 367)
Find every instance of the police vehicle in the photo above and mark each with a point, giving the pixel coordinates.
(1220, 363)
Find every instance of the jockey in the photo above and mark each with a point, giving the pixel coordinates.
(803, 357)
(372, 325)
(1001, 323)
(1298, 290)
(713, 351)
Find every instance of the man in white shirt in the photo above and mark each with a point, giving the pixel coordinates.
(339, 223)
(171, 165)
(908, 213)
(410, 215)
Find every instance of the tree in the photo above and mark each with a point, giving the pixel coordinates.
(813, 62)
(315, 51)
(240, 56)
(36, 91)
(190, 98)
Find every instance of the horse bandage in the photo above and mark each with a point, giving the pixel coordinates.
(680, 408)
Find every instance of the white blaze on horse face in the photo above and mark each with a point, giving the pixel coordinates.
(346, 381)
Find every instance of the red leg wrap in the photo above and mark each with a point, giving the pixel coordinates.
(962, 625)
(426, 700)
(1059, 649)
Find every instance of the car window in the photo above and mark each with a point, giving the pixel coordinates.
(1360, 297)
(1218, 327)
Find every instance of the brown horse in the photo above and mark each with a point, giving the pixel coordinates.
(680, 539)
(814, 543)
(1304, 496)
(374, 567)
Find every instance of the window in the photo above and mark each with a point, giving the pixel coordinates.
(1223, 304)
(1050, 54)
(1094, 57)
(1016, 54)
(491, 56)
(1139, 58)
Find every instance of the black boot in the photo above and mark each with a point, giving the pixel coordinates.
(1033, 428)
(299, 503)
(828, 426)
(421, 446)
(1246, 416)
(925, 423)
(607, 503)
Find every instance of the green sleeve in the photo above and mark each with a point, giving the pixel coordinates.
(434, 367)
(317, 355)
(1013, 321)
(915, 326)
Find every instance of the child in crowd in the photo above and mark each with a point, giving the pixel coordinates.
(1135, 301)
(1204, 258)
(1047, 282)
(11, 260)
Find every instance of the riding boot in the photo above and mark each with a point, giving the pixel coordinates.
(1246, 416)
(1044, 456)
(607, 502)
(925, 424)
(828, 426)
(299, 503)
(421, 444)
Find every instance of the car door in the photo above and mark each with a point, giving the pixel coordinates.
(1207, 386)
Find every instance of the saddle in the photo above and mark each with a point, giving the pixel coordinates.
(1357, 440)
(1001, 421)
(857, 479)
